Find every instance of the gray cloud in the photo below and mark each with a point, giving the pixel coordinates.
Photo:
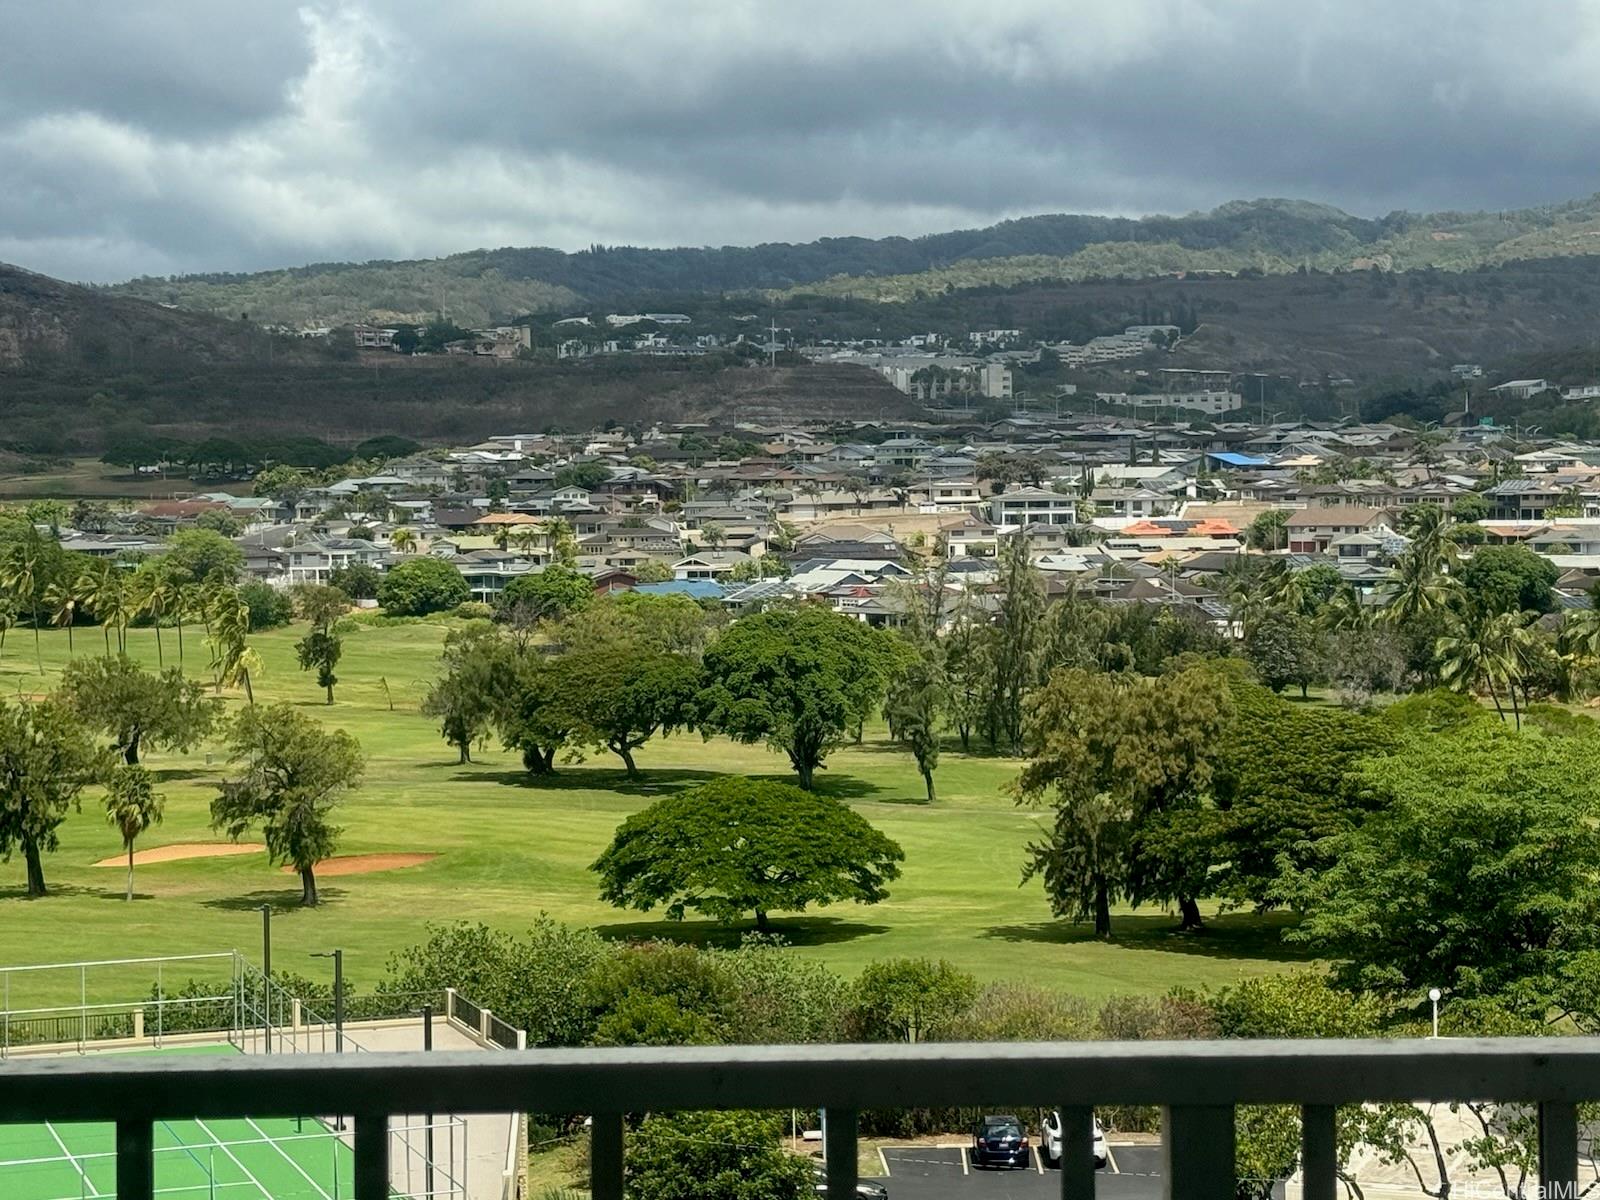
(214, 135)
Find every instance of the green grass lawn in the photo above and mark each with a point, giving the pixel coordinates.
(510, 849)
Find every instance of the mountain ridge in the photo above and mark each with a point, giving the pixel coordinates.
(1272, 236)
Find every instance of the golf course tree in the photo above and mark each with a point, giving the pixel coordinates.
(138, 710)
(462, 699)
(1284, 781)
(714, 1156)
(47, 758)
(546, 595)
(919, 699)
(618, 702)
(736, 846)
(292, 773)
(132, 806)
(796, 678)
(1475, 875)
(1120, 758)
(321, 648)
(422, 585)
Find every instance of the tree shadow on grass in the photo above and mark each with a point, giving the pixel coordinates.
(650, 782)
(796, 931)
(179, 774)
(279, 900)
(53, 890)
(1236, 935)
(655, 781)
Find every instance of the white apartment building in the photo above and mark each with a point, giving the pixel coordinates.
(1019, 505)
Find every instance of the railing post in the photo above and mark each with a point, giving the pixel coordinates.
(1319, 1153)
(1077, 1152)
(1197, 1161)
(605, 1156)
(484, 1015)
(839, 1149)
(138, 1024)
(371, 1155)
(136, 1157)
(1558, 1151)
(449, 1004)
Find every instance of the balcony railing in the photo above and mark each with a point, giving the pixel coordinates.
(1198, 1084)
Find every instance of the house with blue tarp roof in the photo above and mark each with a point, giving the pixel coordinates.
(1229, 458)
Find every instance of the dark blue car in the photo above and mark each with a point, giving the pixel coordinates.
(1000, 1141)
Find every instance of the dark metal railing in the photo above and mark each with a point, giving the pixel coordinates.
(1198, 1085)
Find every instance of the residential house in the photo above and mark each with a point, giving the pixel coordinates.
(1313, 530)
(316, 561)
(1019, 505)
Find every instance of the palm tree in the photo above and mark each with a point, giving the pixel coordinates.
(1417, 584)
(1468, 658)
(185, 600)
(61, 597)
(1492, 650)
(132, 806)
(233, 660)
(154, 592)
(526, 537)
(502, 535)
(562, 542)
(1344, 610)
(1516, 646)
(403, 540)
(97, 586)
(20, 577)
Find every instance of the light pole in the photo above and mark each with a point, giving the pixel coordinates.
(338, 1010)
(266, 972)
(1433, 995)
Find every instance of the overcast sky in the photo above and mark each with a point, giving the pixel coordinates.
(199, 135)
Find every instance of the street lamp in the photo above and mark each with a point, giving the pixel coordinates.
(1433, 995)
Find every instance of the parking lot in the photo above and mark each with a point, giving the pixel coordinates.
(947, 1173)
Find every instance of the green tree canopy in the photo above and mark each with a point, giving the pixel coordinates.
(736, 846)
(1501, 579)
(270, 607)
(550, 594)
(463, 698)
(618, 700)
(714, 1156)
(138, 709)
(195, 554)
(292, 773)
(1285, 777)
(910, 999)
(422, 585)
(1476, 875)
(359, 581)
(1285, 649)
(1119, 758)
(46, 760)
(795, 677)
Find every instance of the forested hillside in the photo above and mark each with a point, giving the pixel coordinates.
(1269, 236)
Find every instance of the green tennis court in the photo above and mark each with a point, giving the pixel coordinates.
(250, 1159)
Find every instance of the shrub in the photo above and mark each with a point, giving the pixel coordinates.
(269, 608)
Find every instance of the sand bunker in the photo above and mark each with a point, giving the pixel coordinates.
(182, 850)
(365, 864)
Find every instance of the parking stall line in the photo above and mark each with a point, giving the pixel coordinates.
(1111, 1161)
(883, 1162)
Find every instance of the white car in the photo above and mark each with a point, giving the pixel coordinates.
(1052, 1141)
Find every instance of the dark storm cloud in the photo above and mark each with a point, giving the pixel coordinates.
(208, 136)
